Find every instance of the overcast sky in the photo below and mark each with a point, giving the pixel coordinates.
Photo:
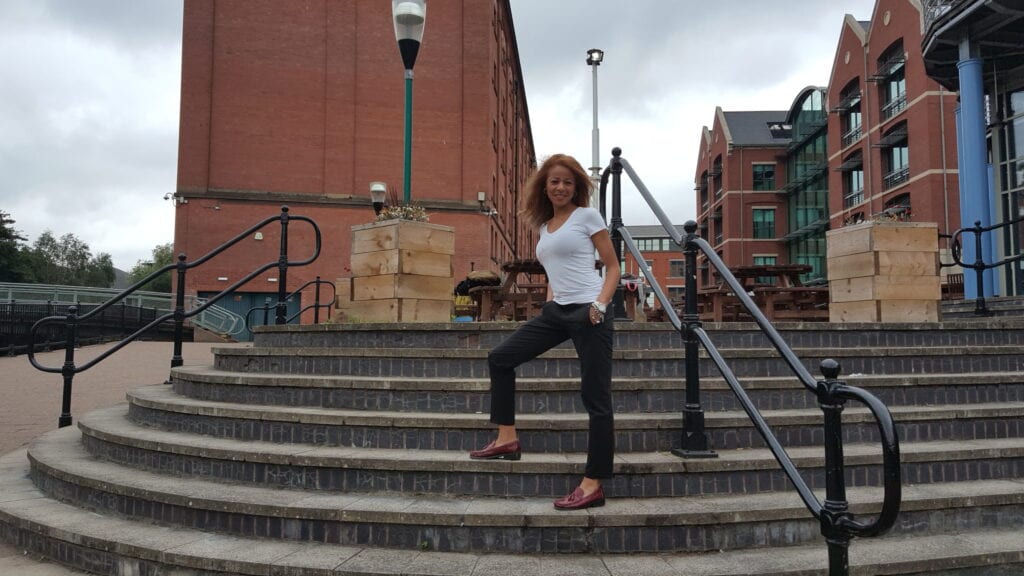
(89, 96)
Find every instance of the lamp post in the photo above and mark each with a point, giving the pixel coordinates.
(377, 193)
(409, 16)
(594, 58)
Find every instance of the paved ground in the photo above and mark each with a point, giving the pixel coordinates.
(30, 403)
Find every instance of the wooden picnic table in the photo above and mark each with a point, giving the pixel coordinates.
(785, 299)
(518, 300)
(787, 275)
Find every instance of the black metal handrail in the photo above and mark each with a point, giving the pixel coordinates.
(179, 314)
(979, 265)
(315, 306)
(838, 525)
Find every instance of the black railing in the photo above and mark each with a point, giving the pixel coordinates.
(17, 319)
(315, 306)
(979, 265)
(838, 525)
(73, 321)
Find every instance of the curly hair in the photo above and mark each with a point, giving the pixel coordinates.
(538, 208)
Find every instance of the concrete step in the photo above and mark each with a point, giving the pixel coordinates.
(109, 434)
(561, 395)
(159, 406)
(104, 543)
(64, 470)
(652, 363)
(628, 335)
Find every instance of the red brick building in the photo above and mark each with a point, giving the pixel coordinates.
(879, 142)
(892, 129)
(740, 165)
(662, 254)
(301, 103)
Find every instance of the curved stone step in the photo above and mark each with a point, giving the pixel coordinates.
(486, 335)
(109, 434)
(561, 395)
(654, 363)
(86, 540)
(62, 469)
(634, 432)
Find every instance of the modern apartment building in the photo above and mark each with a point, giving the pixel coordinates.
(892, 129)
(879, 142)
(302, 104)
(739, 167)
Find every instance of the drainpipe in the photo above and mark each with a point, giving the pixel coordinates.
(973, 161)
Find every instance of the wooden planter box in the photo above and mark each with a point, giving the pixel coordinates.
(884, 272)
(401, 272)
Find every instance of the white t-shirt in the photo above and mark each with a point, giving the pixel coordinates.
(567, 255)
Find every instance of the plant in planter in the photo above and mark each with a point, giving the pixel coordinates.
(397, 211)
(403, 212)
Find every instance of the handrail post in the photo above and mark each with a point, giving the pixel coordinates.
(695, 438)
(980, 308)
(619, 310)
(282, 270)
(835, 509)
(266, 310)
(179, 316)
(316, 302)
(68, 369)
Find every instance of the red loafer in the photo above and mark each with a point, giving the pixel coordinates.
(578, 501)
(509, 451)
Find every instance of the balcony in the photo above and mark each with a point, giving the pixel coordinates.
(851, 136)
(896, 177)
(894, 106)
(853, 198)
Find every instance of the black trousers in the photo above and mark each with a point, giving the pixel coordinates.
(556, 324)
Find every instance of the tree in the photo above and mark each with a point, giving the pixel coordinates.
(67, 261)
(163, 254)
(12, 261)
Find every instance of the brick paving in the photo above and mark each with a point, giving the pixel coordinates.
(31, 400)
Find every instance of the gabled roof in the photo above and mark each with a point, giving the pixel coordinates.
(754, 128)
(652, 231)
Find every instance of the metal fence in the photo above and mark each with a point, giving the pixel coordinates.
(17, 318)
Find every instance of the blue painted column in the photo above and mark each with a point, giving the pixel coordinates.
(973, 165)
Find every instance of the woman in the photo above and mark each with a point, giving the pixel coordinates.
(557, 202)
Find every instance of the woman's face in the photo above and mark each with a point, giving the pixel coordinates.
(560, 186)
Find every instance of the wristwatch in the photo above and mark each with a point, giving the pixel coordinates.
(599, 306)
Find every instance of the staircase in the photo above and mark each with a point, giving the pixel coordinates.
(341, 449)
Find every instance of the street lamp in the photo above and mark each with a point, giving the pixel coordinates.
(409, 16)
(377, 192)
(594, 58)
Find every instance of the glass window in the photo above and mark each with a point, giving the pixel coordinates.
(850, 115)
(898, 208)
(764, 177)
(892, 80)
(897, 162)
(853, 187)
(765, 261)
(676, 268)
(764, 223)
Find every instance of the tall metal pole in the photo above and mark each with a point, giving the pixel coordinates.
(407, 187)
(594, 59)
(595, 167)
